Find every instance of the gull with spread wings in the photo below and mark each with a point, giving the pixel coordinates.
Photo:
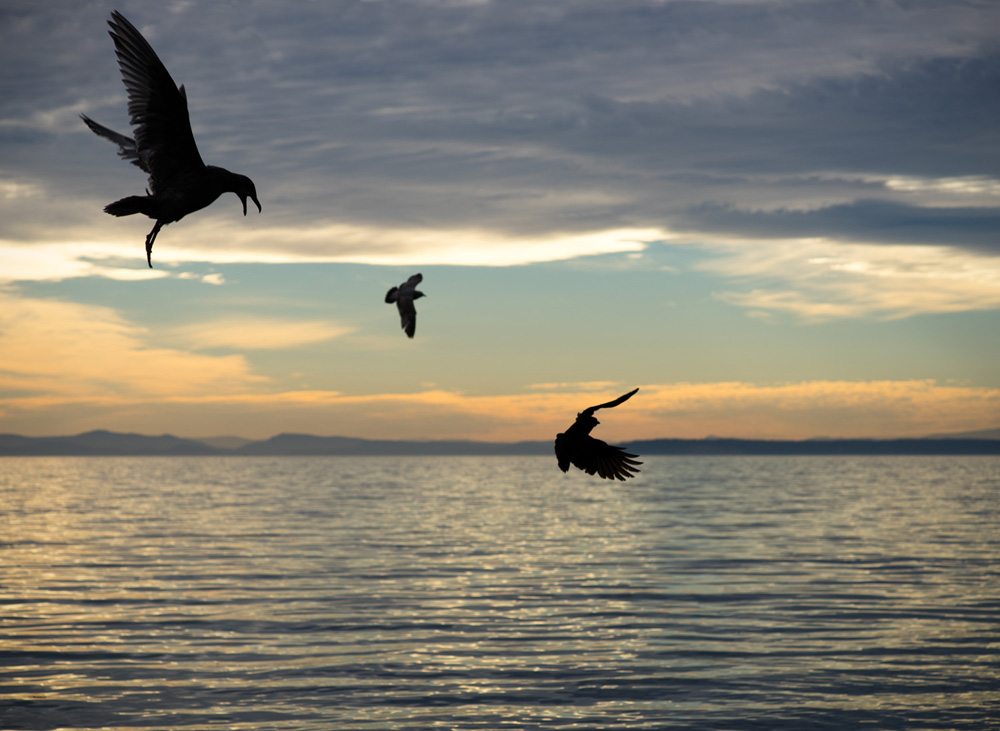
(163, 147)
(403, 296)
(576, 446)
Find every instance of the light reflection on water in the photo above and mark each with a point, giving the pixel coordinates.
(489, 593)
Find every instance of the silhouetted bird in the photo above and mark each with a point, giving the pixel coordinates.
(179, 182)
(591, 455)
(403, 296)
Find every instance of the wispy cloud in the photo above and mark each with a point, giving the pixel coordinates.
(818, 280)
(685, 410)
(257, 333)
(868, 221)
(14, 189)
(966, 190)
(822, 408)
(575, 387)
(52, 351)
(45, 261)
(218, 242)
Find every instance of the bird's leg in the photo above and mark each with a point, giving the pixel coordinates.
(149, 243)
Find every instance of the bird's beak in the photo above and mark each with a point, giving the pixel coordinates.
(254, 198)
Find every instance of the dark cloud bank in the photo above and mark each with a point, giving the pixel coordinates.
(776, 119)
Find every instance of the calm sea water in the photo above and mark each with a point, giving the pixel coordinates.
(497, 593)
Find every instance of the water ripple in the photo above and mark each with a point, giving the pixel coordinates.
(497, 593)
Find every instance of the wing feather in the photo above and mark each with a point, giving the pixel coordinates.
(407, 315)
(594, 456)
(157, 107)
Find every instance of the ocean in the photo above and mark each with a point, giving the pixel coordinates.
(411, 593)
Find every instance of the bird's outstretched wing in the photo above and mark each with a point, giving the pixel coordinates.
(407, 315)
(610, 404)
(157, 107)
(595, 456)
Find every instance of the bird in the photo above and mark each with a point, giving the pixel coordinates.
(576, 446)
(163, 147)
(403, 296)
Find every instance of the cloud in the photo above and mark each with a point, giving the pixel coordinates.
(681, 410)
(257, 333)
(868, 221)
(52, 352)
(506, 133)
(979, 190)
(823, 408)
(45, 261)
(462, 247)
(222, 242)
(575, 387)
(13, 189)
(466, 114)
(216, 278)
(818, 280)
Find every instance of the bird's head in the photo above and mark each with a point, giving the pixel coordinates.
(244, 188)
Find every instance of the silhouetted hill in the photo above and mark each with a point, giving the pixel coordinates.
(103, 443)
(981, 434)
(307, 444)
(106, 443)
(225, 442)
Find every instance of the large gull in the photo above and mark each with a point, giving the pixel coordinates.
(163, 147)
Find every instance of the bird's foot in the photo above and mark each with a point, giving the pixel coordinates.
(150, 238)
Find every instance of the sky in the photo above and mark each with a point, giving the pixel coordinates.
(780, 219)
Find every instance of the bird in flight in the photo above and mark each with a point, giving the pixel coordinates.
(163, 147)
(576, 446)
(403, 296)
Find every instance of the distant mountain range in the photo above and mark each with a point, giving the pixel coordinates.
(106, 443)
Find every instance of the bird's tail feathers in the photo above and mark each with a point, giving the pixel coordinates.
(392, 295)
(130, 205)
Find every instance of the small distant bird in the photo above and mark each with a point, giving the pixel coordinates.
(403, 296)
(164, 148)
(591, 455)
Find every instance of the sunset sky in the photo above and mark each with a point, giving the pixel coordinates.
(777, 218)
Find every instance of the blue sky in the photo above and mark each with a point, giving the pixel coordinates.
(779, 219)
